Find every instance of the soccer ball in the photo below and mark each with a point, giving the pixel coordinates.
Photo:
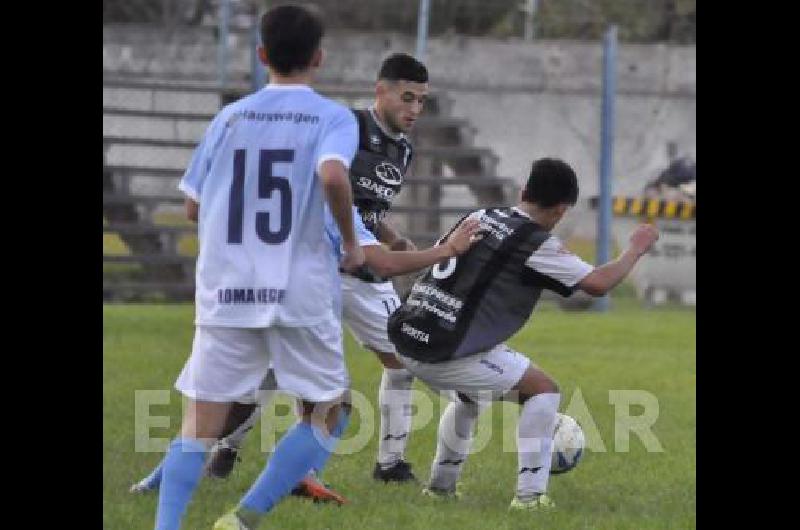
(568, 443)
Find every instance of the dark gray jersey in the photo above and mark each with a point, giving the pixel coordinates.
(474, 302)
(376, 176)
(377, 171)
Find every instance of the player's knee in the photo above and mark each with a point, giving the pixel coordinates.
(238, 414)
(551, 387)
(346, 402)
(533, 383)
(388, 360)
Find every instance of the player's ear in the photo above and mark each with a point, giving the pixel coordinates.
(381, 88)
(317, 58)
(262, 55)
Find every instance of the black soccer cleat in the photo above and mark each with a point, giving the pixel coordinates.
(221, 461)
(399, 472)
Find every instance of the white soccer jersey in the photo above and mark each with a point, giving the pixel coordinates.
(364, 237)
(264, 259)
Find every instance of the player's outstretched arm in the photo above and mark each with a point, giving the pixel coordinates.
(606, 277)
(389, 263)
(336, 184)
(387, 234)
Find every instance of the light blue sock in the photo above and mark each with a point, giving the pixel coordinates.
(336, 434)
(182, 469)
(292, 459)
(153, 480)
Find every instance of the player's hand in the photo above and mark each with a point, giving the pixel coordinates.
(353, 258)
(464, 236)
(643, 238)
(403, 244)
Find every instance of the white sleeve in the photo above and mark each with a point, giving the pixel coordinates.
(558, 264)
(192, 182)
(365, 237)
(340, 139)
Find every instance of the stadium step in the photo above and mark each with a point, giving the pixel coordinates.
(150, 259)
(142, 228)
(149, 200)
(190, 125)
(134, 291)
(132, 171)
(207, 97)
(175, 154)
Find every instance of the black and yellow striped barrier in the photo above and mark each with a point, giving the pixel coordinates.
(650, 208)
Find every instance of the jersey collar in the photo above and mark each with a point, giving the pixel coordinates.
(374, 115)
(521, 212)
(272, 86)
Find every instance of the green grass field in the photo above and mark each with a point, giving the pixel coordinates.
(589, 354)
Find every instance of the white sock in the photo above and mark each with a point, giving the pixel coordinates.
(235, 438)
(537, 422)
(454, 439)
(394, 400)
(266, 392)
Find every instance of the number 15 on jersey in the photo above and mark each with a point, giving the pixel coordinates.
(267, 184)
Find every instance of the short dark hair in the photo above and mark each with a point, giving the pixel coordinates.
(290, 34)
(403, 67)
(551, 182)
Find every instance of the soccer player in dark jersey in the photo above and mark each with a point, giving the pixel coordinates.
(382, 160)
(451, 329)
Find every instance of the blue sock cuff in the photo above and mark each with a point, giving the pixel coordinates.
(328, 442)
(188, 445)
(341, 424)
(293, 456)
(323, 439)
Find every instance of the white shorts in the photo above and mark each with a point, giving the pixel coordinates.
(230, 364)
(482, 377)
(366, 308)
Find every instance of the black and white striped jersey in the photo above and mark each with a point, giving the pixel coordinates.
(471, 303)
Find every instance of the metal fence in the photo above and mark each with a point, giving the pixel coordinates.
(171, 14)
(638, 20)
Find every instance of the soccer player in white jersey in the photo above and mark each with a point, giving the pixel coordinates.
(258, 180)
(382, 160)
(450, 330)
(368, 295)
(378, 260)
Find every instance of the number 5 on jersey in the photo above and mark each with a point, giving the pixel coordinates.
(440, 273)
(267, 183)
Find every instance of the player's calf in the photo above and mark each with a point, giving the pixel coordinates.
(394, 400)
(540, 398)
(225, 453)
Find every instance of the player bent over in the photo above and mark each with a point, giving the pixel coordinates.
(450, 331)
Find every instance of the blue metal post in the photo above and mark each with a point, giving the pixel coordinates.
(422, 28)
(222, 47)
(606, 154)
